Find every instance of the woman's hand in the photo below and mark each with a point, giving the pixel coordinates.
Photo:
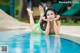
(57, 17)
(45, 19)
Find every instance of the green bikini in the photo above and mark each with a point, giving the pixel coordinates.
(38, 26)
(35, 33)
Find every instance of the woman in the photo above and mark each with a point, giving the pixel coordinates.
(48, 23)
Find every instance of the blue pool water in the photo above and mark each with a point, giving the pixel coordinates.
(19, 42)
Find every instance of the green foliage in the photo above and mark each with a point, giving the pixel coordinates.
(17, 8)
(2, 2)
(71, 23)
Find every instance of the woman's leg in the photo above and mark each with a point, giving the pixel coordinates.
(30, 13)
(41, 10)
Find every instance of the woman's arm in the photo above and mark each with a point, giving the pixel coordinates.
(57, 26)
(47, 28)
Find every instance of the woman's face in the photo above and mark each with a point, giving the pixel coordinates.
(50, 15)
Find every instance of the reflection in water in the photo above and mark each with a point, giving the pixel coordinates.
(18, 42)
(57, 45)
(44, 44)
(30, 43)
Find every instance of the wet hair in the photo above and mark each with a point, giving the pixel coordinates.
(45, 14)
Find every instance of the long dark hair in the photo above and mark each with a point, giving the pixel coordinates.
(45, 14)
(51, 9)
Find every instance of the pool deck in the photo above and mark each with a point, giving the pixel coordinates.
(71, 33)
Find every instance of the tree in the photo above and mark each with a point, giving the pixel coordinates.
(23, 6)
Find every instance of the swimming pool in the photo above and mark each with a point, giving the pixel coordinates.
(23, 42)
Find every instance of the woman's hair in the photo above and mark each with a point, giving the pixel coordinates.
(45, 14)
(43, 23)
(49, 9)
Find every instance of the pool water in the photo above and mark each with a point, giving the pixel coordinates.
(18, 42)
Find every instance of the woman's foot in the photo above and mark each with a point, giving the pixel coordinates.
(41, 10)
(30, 12)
